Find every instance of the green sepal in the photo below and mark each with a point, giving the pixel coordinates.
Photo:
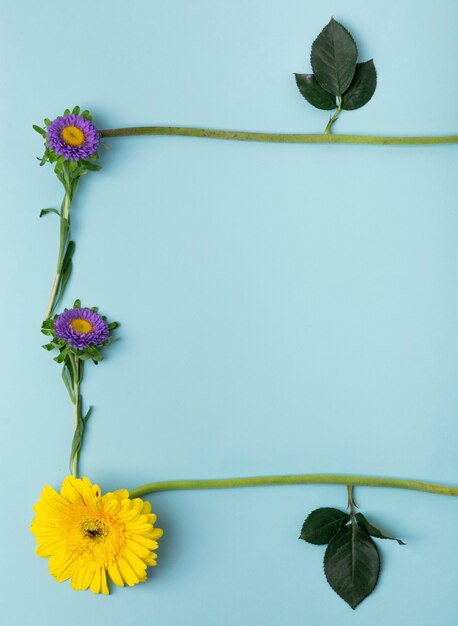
(362, 86)
(76, 110)
(322, 524)
(315, 94)
(376, 531)
(49, 346)
(333, 58)
(77, 304)
(352, 564)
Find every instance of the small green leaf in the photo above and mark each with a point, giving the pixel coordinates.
(76, 110)
(90, 166)
(334, 55)
(46, 211)
(67, 112)
(352, 564)
(39, 130)
(376, 531)
(62, 356)
(362, 86)
(313, 93)
(67, 378)
(88, 415)
(49, 346)
(77, 304)
(322, 524)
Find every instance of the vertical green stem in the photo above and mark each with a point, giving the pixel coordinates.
(64, 238)
(327, 130)
(76, 414)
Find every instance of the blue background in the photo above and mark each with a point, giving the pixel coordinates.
(284, 308)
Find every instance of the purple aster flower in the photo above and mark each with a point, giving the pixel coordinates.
(73, 137)
(81, 327)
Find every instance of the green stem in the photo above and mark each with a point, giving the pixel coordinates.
(63, 241)
(295, 479)
(76, 414)
(278, 137)
(327, 130)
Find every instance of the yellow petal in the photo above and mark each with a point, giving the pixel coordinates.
(115, 576)
(127, 572)
(104, 586)
(137, 548)
(96, 580)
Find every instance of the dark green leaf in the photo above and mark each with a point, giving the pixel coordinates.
(313, 93)
(376, 531)
(39, 130)
(362, 86)
(69, 251)
(76, 110)
(49, 346)
(46, 211)
(77, 304)
(352, 564)
(322, 524)
(67, 266)
(67, 112)
(334, 55)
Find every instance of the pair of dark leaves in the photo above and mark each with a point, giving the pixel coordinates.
(351, 560)
(336, 72)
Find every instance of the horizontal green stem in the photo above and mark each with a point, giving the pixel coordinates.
(295, 479)
(278, 137)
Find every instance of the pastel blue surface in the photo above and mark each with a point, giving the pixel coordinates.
(284, 308)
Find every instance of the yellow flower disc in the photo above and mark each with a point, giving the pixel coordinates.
(81, 326)
(86, 535)
(73, 135)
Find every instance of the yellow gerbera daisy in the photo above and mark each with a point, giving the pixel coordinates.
(87, 535)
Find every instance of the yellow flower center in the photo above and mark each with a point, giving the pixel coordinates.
(81, 326)
(95, 529)
(73, 135)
